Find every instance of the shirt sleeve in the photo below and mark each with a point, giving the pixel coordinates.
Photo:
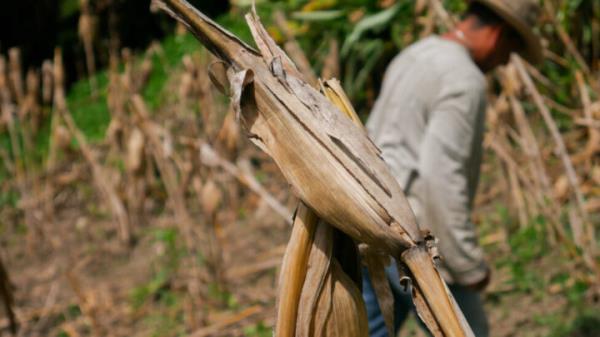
(444, 168)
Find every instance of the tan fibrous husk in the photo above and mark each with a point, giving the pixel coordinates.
(330, 163)
(293, 270)
(317, 313)
(330, 303)
(351, 188)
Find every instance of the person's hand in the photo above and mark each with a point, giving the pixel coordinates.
(481, 285)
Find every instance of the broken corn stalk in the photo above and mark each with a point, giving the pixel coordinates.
(328, 160)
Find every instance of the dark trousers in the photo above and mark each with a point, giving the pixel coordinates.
(468, 300)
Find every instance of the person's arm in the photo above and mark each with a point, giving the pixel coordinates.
(445, 156)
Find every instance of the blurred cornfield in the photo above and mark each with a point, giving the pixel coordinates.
(113, 221)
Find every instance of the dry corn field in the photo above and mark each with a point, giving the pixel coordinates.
(155, 198)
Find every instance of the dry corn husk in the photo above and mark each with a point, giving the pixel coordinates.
(330, 303)
(351, 187)
(332, 167)
(316, 296)
(293, 270)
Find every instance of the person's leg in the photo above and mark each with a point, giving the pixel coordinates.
(402, 299)
(376, 323)
(402, 303)
(471, 304)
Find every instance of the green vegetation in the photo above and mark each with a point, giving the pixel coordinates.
(157, 288)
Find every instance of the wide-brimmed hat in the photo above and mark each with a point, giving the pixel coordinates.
(522, 16)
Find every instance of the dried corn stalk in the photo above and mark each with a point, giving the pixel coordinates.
(101, 176)
(87, 33)
(6, 294)
(330, 163)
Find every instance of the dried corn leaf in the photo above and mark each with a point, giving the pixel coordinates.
(330, 303)
(346, 316)
(293, 270)
(320, 260)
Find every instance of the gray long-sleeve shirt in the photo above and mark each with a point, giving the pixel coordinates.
(428, 122)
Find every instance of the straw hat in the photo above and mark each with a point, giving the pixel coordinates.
(521, 15)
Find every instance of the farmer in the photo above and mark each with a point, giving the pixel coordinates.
(428, 122)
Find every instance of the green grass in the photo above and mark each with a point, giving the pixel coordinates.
(258, 330)
(91, 114)
(157, 288)
(533, 267)
(173, 50)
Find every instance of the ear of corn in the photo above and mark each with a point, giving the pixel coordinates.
(374, 261)
(321, 300)
(351, 187)
(332, 167)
